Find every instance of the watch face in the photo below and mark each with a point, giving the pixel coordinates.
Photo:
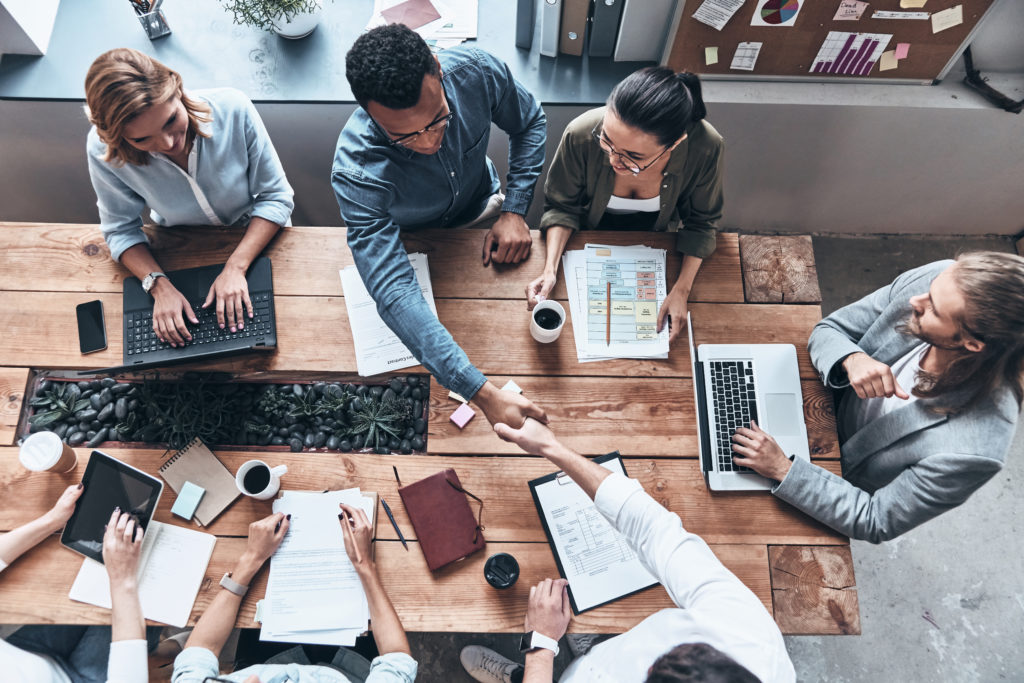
(525, 640)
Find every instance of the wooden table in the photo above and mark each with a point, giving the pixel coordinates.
(801, 570)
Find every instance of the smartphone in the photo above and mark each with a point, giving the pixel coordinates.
(92, 331)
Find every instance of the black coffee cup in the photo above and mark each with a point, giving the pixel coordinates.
(501, 570)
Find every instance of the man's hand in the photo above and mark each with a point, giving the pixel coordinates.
(533, 437)
(507, 406)
(756, 449)
(674, 306)
(60, 513)
(265, 536)
(509, 238)
(168, 322)
(122, 543)
(548, 611)
(231, 292)
(358, 535)
(871, 378)
(539, 289)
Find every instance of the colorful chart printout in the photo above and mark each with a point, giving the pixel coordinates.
(776, 13)
(850, 54)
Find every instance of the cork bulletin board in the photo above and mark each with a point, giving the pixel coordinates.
(789, 52)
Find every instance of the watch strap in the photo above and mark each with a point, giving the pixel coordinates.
(230, 584)
(539, 640)
(151, 279)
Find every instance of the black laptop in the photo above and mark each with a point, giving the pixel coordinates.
(143, 350)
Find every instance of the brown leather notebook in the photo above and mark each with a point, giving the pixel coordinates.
(439, 511)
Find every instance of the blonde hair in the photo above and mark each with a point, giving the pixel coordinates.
(120, 85)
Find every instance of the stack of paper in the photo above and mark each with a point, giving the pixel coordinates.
(377, 348)
(171, 569)
(456, 24)
(637, 289)
(313, 592)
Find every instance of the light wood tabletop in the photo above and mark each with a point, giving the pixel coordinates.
(801, 570)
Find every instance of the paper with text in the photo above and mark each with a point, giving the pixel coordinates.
(745, 57)
(717, 13)
(947, 18)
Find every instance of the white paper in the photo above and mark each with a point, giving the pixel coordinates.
(596, 560)
(947, 18)
(885, 14)
(457, 23)
(717, 13)
(172, 566)
(377, 348)
(777, 12)
(746, 56)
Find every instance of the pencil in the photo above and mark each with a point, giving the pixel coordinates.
(608, 316)
(387, 509)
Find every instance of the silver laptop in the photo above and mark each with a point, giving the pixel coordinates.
(734, 384)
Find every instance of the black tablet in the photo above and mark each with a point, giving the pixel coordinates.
(109, 483)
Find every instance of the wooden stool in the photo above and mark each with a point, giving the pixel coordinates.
(779, 269)
(813, 589)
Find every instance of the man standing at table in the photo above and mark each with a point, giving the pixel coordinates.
(718, 633)
(930, 368)
(414, 155)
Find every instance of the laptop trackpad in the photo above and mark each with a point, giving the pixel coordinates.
(781, 411)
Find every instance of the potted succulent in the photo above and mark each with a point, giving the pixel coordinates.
(287, 18)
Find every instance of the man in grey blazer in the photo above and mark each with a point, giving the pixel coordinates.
(930, 374)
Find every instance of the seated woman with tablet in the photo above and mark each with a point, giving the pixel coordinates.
(646, 161)
(193, 158)
(82, 653)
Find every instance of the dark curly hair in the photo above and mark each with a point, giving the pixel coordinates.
(698, 663)
(387, 65)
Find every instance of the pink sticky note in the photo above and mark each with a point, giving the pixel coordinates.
(902, 49)
(462, 415)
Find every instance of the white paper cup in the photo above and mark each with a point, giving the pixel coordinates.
(273, 485)
(45, 452)
(541, 334)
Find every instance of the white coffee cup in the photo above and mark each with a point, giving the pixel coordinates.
(45, 452)
(541, 334)
(272, 478)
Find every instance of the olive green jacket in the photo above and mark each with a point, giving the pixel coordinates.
(581, 179)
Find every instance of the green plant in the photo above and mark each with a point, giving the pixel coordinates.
(263, 14)
(379, 418)
(59, 401)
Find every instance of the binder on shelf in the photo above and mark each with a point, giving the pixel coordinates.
(605, 27)
(573, 30)
(550, 19)
(673, 32)
(526, 12)
(642, 30)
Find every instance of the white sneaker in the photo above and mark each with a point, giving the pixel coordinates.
(486, 665)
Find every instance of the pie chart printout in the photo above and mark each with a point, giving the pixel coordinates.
(777, 13)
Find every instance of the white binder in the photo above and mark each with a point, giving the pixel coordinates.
(642, 30)
(550, 20)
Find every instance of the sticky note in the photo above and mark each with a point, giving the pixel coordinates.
(457, 397)
(902, 50)
(710, 55)
(462, 415)
(888, 61)
(512, 386)
(947, 18)
(912, 4)
(850, 10)
(188, 500)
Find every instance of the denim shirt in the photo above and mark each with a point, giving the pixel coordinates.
(194, 664)
(382, 189)
(232, 176)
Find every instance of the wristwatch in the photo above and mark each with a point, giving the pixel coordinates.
(233, 586)
(532, 640)
(150, 280)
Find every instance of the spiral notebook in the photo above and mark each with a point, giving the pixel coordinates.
(197, 464)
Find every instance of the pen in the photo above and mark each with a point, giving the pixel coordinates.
(395, 469)
(387, 510)
(608, 316)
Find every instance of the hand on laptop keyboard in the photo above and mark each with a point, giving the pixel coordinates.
(168, 323)
(756, 449)
(228, 295)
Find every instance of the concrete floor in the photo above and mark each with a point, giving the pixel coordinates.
(944, 602)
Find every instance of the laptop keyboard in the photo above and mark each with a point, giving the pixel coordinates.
(733, 395)
(140, 339)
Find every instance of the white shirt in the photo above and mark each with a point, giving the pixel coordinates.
(714, 606)
(617, 204)
(905, 371)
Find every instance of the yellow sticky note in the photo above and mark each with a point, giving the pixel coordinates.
(888, 61)
(710, 55)
(912, 4)
(947, 18)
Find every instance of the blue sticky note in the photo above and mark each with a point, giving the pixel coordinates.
(188, 500)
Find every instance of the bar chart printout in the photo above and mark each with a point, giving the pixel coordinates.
(850, 54)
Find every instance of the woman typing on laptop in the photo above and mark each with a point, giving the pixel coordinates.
(193, 158)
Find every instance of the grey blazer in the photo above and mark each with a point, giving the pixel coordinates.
(911, 464)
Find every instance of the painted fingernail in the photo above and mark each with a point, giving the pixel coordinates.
(341, 515)
(117, 509)
(80, 485)
(288, 516)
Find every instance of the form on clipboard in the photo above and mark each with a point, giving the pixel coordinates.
(591, 555)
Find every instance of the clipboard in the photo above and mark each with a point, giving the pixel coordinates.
(563, 479)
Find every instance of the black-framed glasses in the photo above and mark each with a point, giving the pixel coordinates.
(437, 125)
(626, 161)
(218, 679)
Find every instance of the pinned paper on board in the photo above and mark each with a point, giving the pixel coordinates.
(746, 56)
(717, 13)
(902, 50)
(850, 54)
(888, 61)
(776, 12)
(912, 4)
(850, 10)
(710, 55)
(893, 14)
(947, 18)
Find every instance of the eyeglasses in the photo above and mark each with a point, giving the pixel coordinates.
(438, 125)
(623, 159)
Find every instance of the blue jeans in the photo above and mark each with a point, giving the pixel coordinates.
(81, 651)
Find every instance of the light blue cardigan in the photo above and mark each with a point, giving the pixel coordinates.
(233, 175)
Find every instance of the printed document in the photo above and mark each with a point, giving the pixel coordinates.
(377, 348)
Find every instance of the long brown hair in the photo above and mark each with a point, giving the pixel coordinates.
(992, 284)
(120, 85)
